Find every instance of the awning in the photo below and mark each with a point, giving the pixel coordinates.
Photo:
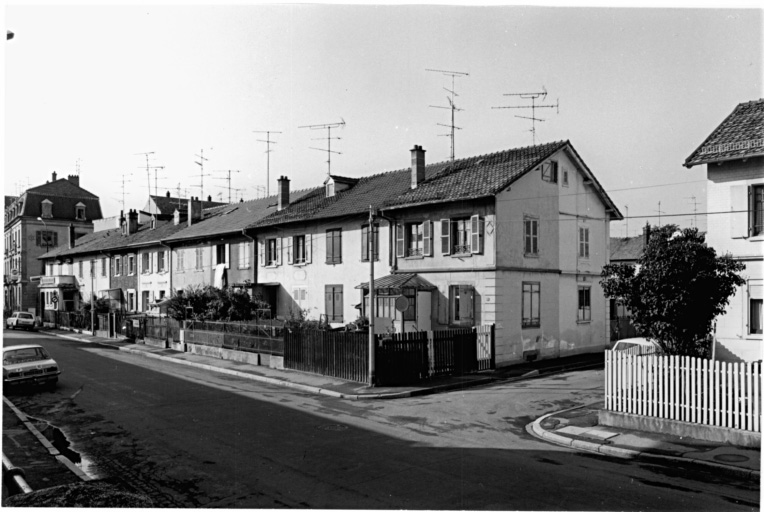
(111, 293)
(398, 282)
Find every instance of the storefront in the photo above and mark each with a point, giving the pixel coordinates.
(59, 293)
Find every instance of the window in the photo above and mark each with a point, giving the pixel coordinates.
(117, 265)
(757, 210)
(298, 250)
(180, 264)
(584, 304)
(531, 304)
(220, 253)
(333, 302)
(131, 265)
(564, 177)
(414, 239)
(583, 242)
(330, 189)
(161, 261)
(461, 236)
(272, 253)
(104, 263)
(549, 172)
(199, 258)
(161, 294)
(462, 304)
(79, 269)
(755, 316)
(47, 208)
(245, 249)
(334, 246)
(47, 239)
(145, 263)
(131, 300)
(79, 212)
(365, 242)
(410, 313)
(145, 300)
(300, 295)
(531, 231)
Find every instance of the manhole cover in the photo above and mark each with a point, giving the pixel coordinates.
(333, 427)
(726, 457)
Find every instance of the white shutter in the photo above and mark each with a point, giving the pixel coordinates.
(278, 251)
(261, 244)
(308, 248)
(227, 255)
(739, 202)
(476, 230)
(427, 237)
(290, 258)
(445, 236)
(400, 245)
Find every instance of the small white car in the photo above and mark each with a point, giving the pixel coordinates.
(20, 320)
(29, 364)
(638, 346)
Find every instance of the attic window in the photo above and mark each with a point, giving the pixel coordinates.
(79, 211)
(153, 222)
(47, 208)
(330, 189)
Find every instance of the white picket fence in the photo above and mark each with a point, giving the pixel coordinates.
(685, 389)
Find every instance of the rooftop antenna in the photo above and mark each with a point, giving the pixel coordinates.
(627, 220)
(328, 127)
(259, 189)
(532, 96)
(268, 150)
(694, 210)
(200, 163)
(452, 106)
(659, 213)
(77, 166)
(229, 181)
(123, 188)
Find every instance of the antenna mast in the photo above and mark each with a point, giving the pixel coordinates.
(123, 189)
(229, 181)
(452, 106)
(268, 150)
(77, 166)
(200, 163)
(694, 210)
(328, 127)
(532, 96)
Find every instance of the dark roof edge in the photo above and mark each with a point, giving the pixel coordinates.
(436, 201)
(713, 132)
(689, 165)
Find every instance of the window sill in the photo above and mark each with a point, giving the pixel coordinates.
(334, 263)
(244, 268)
(271, 266)
(756, 238)
(299, 264)
(462, 255)
(532, 326)
(531, 255)
(583, 321)
(413, 257)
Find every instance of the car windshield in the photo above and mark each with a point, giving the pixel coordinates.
(28, 316)
(25, 355)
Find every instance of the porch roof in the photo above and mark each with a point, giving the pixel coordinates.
(398, 281)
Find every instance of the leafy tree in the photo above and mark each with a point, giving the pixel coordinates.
(102, 305)
(210, 303)
(680, 287)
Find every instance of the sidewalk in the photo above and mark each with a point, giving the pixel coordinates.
(578, 428)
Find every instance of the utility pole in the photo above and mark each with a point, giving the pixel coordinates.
(372, 304)
(268, 150)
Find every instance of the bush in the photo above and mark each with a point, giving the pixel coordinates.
(213, 304)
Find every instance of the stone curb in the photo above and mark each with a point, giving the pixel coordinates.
(44, 441)
(536, 430)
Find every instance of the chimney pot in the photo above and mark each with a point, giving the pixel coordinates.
(417, 166)
(54, 175)
(209, 199)
(168, 193)
(194, 210)
(283, 193)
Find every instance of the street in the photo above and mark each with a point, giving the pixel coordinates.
(194, 438)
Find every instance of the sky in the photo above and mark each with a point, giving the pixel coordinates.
(90, 88)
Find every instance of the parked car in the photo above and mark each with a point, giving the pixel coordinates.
(29, 364)
(638, 346)
(20, 320)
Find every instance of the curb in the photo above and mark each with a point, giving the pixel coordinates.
(44, 441)
(301, 387)
(536, 430)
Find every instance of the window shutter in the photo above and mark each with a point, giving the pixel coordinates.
(751, 212)
(427, 237)
(364, 243)
(445, 236)
(227, 255)
(399, 241)
(476, 244)
(261, 252)
(466, 303)
(290, 244)
(308, 248)
(278, 251)
(740, 222)
(586, 247)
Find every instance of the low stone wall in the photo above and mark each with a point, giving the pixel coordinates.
(155, 342)
(731, 436)
(276, 362)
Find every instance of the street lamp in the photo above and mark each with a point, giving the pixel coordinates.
(46, 240)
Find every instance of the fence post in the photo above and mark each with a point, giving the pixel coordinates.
(493, 346)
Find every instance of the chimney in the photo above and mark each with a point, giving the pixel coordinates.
(209, 199)
(194, 210)
(132, 221)
(176, 217)
(417, 166)
(122, 221)
(168, 193)
(646, 232)
(54, 175)
(74, 180)
(283, 193)
(71, 236)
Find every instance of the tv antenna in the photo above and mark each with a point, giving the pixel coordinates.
(694, 210)
(77, 165)
(228, 179)
(659, 213)
(328, 127)
(627, 219)
(123, 188)
(259, 189)
(268, 150)
(452, 106)
(533, 96)
(200, 163)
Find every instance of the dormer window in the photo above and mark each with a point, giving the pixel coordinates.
(79, 210)
(47, 208)
(330, 189)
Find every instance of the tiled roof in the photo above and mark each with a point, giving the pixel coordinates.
(626, 249)
(479, 176)
(62, 187)
(168, 205)
(398, 281)
(740, 135)
(233, 217)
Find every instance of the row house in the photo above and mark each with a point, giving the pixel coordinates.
(734, 158)
(40, 219)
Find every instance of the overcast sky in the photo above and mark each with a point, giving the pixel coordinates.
(638, 89)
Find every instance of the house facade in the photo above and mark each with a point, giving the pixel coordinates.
(734, 158)
(41, 219)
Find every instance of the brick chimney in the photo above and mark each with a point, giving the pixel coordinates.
(209, 199)
(74, 180)
(71, 236)
(417, 166)
(54, 176)
(194, 210)
(646, 231)
(283, 193)
(168, 194)
(132, 221)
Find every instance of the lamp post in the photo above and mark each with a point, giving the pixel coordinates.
(45, 238)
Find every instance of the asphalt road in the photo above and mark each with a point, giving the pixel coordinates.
(191, 438)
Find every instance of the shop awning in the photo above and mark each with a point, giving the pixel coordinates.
(398, 282)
